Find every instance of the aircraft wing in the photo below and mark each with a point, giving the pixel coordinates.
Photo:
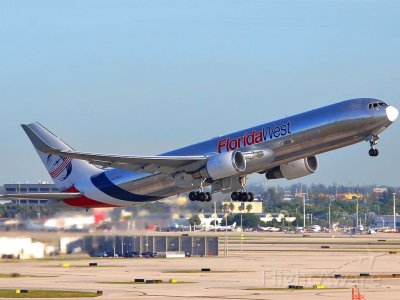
(151, 164)
(41, 196)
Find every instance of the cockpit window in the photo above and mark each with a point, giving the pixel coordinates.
(376, 105)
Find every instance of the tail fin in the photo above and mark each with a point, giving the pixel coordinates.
(64, 171)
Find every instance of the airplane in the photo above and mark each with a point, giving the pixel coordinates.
(222, 228)
(285, 148)
(268, 229)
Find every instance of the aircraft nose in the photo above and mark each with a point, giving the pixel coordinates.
(392, 113)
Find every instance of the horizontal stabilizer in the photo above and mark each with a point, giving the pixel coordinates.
(42, 196)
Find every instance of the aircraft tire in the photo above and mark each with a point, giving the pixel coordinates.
(208, 197)
(244, 197)
(251, 197)
(371, 152)
(192, 196)
(235, 196)
(202, 197)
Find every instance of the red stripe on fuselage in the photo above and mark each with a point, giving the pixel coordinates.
(83, 201)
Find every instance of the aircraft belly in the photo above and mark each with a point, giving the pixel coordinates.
(158, 185)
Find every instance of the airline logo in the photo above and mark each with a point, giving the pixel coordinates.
(255, 137)
(59, 167)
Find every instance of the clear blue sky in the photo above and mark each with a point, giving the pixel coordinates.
(144, 77)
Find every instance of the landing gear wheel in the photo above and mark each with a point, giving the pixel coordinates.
(244, 197)
(192, 196)
(235, 196)
(373, 152)
(208, 197)
(251, 197)
(202, 197)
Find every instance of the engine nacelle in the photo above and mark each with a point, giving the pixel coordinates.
(294, 169)
(224, 165)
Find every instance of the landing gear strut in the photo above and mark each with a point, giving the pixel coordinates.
(243, 195)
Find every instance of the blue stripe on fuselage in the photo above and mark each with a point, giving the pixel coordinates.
(105, 185)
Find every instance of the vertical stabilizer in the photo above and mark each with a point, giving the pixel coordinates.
(64, 171)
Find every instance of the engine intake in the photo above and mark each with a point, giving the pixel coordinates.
(224, 165)
(294, 169)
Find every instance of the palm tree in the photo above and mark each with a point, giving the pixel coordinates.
(249, 207)
(194, 220)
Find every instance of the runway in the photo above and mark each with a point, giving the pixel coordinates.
(266, 266)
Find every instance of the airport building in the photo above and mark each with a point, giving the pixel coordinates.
(386, 221)
(123, 245)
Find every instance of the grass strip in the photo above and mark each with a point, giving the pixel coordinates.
(17, 275)
(46, 294)
(287, 289)
(205, 272)
(132, 282)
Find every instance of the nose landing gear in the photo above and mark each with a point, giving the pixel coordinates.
(372, 143)
(373, 152)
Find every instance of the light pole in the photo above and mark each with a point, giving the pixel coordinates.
(329, 217)
(297, 221)
(241, 232)
(394, 211)
(357, 213)
(304, 211)
(19, 192)
(226, 233)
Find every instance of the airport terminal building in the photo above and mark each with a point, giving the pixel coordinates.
(386, 221)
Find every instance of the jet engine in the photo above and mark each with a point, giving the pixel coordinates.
(294, 169)
(224, 165)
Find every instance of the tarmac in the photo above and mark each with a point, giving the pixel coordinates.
(261, 266)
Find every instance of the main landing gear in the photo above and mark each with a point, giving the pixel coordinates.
(243, 195)
(200, 196)
(373, 152)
